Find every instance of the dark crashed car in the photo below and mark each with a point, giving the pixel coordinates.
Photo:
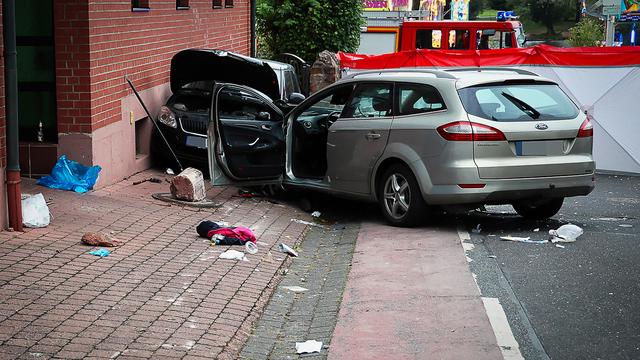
(184, 118)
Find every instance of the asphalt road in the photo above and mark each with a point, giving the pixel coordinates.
(577, 302)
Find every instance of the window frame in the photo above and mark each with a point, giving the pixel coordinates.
(355, 90)
(182, 5)
(228, 3)
(396, 107)
(140, 5)
(217, 4)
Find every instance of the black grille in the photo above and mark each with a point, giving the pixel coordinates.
(194, 126)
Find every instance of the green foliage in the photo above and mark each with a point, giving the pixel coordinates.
(306, 27)
(475, 7)
(547, 12)
(588, 32)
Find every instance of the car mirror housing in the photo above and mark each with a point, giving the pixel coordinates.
(296, 98)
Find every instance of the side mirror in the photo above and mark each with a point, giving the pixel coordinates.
(296, 98)
(522, 39)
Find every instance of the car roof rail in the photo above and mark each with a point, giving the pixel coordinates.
(438, 73)
(492, 68)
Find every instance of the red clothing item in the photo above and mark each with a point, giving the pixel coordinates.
(239, 232)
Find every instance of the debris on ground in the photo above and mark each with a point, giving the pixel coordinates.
(626, 225)
(560, 246)
(170, 171)
(338, 226)
(35, 212)
(295, 289)
(492, 256)
(309, 346)
(188, 185)
(233, 255)
(100, 239)
(477, 229)
(282, 247)
(102, 252)
(566, 233)
(251, 247)
(151, 179)
(523, 239)
(621, 218)
(303, 222)
(223, 235)
(244, 193)
(71, 175)
(536, 229)
(316, 214)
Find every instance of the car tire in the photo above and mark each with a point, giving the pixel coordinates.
(400, 198)
(538, 209)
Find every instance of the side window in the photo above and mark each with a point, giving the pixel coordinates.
(333, 102)
(418, 98)
(428, 39)
(459, 39)
(238, 104)
(492, 39)
(369, 101)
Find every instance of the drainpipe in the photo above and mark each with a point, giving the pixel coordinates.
(11, 112)
(253, 28)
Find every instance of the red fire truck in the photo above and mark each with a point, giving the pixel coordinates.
(441, 35)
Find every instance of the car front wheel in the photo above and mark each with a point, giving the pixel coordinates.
(400, 198)
(538, 209)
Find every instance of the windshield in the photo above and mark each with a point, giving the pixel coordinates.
(518, 102)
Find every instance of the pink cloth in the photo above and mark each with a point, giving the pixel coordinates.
(239, 232)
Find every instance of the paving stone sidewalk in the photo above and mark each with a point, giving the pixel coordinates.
(164, 294)
(322, 268)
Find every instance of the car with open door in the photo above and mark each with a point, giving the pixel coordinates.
(412, 139)
(184, 117)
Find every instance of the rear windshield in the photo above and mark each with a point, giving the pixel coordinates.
(518, 102)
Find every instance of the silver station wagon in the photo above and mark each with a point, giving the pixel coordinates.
(411, 139)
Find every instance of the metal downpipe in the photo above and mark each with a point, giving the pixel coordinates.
(252, 21)
(11, 111)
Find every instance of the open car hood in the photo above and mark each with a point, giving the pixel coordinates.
(222, 66)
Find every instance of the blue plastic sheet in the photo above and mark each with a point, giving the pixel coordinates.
(100, 252)
(71, 175)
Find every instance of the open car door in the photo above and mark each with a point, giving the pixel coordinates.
(246, 137)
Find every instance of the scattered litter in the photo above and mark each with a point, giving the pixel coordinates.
(233, 255)
(491, 235)
(71, 175)
(305, 222)
(102, 252)
(296, 289)
(234, 235)
(522, 239)
(152, 179)
(609, 219)
(560, 246)
(316, 214)
(100, 239)
(35, 212)
(626, 225)
(338, 226)
(492, 256)
(309, 346)
(477, 229)
(170, 171)
(536, 229)
(566, 233)
(251, 247)
(286, 249)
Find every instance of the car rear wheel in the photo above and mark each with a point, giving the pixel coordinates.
(400, 198)
(538, 209)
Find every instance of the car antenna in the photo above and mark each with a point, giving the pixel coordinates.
(153, 121)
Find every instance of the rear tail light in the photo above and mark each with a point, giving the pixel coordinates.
(586, 129)
(470, 131)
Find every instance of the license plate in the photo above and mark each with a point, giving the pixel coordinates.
(197, 141)
(540, 148)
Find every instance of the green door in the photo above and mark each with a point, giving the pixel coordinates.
(36, 71)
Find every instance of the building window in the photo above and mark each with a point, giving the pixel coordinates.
(217, 4)
(139, 5)
(182, 4)
(228, 3)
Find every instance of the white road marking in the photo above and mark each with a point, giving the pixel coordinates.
(498, 319)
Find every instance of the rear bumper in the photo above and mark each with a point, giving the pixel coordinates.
(502, 191)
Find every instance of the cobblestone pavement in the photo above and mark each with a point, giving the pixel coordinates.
(163, 294)
(322, 268)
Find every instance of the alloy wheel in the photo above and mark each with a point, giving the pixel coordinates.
(397, 196)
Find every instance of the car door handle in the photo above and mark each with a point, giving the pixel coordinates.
(373, 136)
(266, 127)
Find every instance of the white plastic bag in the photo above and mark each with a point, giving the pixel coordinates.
(35, 212)
(566, 233)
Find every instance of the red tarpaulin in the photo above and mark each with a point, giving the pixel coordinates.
(536, 55)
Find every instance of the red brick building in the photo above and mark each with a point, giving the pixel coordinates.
(73, 56)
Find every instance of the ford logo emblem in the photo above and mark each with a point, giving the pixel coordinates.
(541, 126)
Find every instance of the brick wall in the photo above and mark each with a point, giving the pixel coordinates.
(3, 133)
(140, 45)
